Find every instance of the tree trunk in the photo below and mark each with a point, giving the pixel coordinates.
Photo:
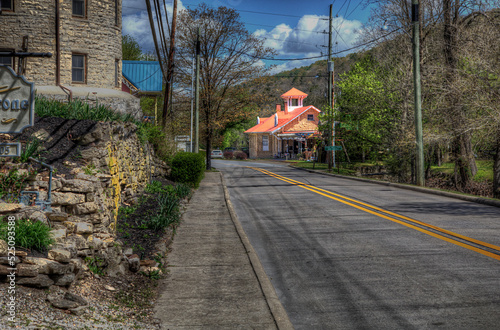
(496, 168)
(465, 165)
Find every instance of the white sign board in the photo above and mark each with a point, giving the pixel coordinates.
(17, 102)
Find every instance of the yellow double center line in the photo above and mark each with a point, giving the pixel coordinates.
(486, 249)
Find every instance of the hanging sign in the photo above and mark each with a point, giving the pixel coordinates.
(17, 102)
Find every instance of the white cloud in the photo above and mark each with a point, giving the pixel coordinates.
(310, 35)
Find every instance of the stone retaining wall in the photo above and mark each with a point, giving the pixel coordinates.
(85, 207)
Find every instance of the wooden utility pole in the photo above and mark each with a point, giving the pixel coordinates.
(330, 93)
(197, 96)
(170, 66)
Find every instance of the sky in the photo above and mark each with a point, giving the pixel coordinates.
(296, 29)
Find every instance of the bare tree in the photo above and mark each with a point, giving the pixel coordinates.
(230, 55)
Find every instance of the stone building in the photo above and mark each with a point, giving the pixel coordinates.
(287, 133)
(84, 37)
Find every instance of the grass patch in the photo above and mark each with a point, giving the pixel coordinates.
(29, 234)
(77, 109)
(484, 170)
(324, 167)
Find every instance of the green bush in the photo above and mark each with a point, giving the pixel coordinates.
(29, 234)
(182, 190)
(188, 168)
(168, 213)
(12, 183)
(147, 132)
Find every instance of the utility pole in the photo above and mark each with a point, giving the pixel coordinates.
(192, 99)
(170, 66)
(330, 93)
(418, 96)
(197, 96)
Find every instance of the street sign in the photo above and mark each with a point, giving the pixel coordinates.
(333, 148)
(10, 149)
(182, 138)
(17, 102)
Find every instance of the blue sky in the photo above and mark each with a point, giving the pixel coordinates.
(294, 28)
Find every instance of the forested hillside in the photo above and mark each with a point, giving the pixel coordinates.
(460, 66)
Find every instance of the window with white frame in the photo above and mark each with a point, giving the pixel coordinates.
(79, 8)
(78, 68)
(265, 142)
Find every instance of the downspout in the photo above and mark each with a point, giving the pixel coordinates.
(58, 47)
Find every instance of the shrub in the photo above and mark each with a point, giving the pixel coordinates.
(188, 168)
(168, 213)
(30, 150)
(241, 155)
(29, 234)
(147, 132)
(182, 191)
(228, 155)
(12, 183)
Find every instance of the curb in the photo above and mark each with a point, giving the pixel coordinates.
(278, 312)
(478, 200)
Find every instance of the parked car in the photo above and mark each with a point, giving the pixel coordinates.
(230, 149)
(246, 150)
(216, 154)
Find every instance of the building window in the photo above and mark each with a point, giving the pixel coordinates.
(7, 5)
(116, 12)
(79, 8)
(78, 65)
(117, 67)
(7, 60)
(310, 117)
(265, 142)
(295, 102)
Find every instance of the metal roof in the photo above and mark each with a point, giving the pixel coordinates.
(144, 75)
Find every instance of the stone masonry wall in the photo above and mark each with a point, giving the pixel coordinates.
(97, 36)
(85, 208)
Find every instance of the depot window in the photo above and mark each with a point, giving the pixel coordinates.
(265, 143)
(78, 68)
(310, 117)
(79, 8)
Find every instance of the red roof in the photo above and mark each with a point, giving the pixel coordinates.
(267, 124)
(294, 92)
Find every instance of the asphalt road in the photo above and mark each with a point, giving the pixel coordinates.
(344, 254)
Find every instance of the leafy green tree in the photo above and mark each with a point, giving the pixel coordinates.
(131, 50)
(367, 106)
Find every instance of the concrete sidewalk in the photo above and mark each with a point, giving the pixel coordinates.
(216, 280)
